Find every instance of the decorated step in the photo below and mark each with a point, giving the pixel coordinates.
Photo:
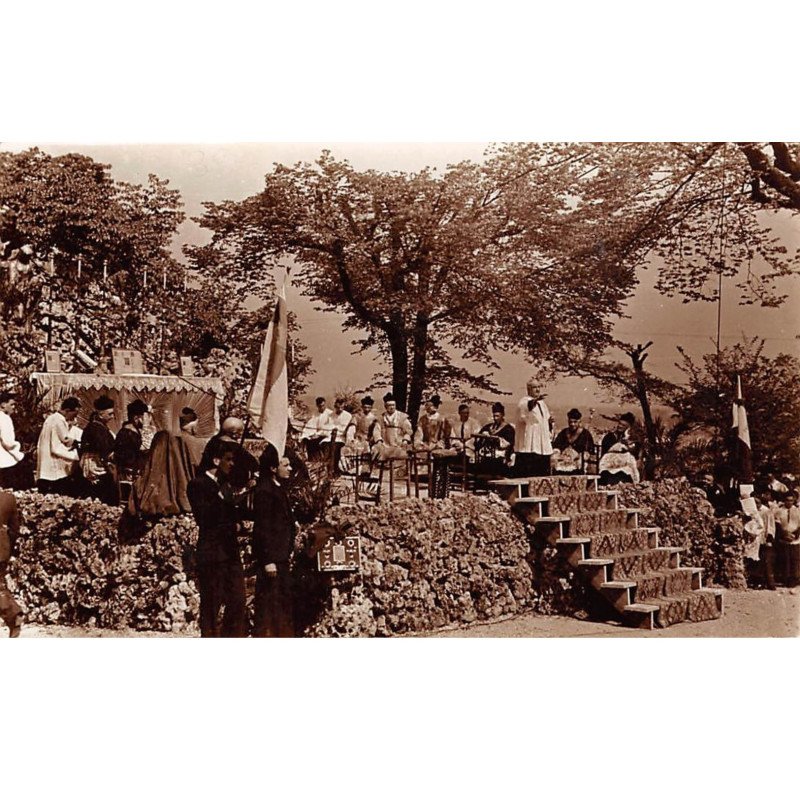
(667, 583)
(594, 522)
(554, 485)
(550, 528)
(577, 502)
(640, 615)
(605, 545)
(532, 508)
(631, 564)
(697, 606)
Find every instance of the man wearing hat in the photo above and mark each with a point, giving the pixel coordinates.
(57, 452)
(396, 428)
(363, 435)
(96, 453)
(574, 444)
(496, 440)
(533, 445)
(128, 455)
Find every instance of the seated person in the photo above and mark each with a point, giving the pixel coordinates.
(572, 446)
(396, 429)
(618, 465)
(433, 435)
(340, 420)
(494, 443)
(463, 432)
(623, 433)
(317, 429)
(363, 437)
(433, 430)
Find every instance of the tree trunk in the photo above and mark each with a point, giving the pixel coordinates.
(638, 357)
(419, 369)
(398, 347)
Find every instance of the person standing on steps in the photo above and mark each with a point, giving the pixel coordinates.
(533, 446)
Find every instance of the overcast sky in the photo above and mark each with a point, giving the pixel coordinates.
(216, 172)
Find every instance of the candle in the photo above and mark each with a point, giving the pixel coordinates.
(80, 265)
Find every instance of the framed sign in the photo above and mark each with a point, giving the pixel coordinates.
(187, 367)
(52, 361)
(127, 362)
(341, 554)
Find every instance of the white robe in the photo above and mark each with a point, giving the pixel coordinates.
(532, 431)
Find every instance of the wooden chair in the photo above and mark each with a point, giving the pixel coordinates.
(487, 466)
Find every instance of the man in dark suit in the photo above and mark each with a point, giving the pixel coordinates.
(10, 612)
(220, 576)
(273, 540)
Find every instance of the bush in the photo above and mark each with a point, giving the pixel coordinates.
(73, 567)
(426, 564)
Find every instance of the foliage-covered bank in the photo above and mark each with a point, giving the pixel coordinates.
(425, 565)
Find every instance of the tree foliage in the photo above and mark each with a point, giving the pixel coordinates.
(769, 387)
(481, 257)
(693, 208)
(76, 248)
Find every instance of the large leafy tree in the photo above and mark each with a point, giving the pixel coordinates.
(78, 249)
(703, 215)
(769, 386)
(501, 255)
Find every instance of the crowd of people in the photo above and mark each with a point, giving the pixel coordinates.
(221, 483)
(499, 447)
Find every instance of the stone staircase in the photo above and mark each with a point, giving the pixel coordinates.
(637, 581)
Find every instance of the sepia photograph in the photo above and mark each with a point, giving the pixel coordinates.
(366, 390)
(398, 400)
